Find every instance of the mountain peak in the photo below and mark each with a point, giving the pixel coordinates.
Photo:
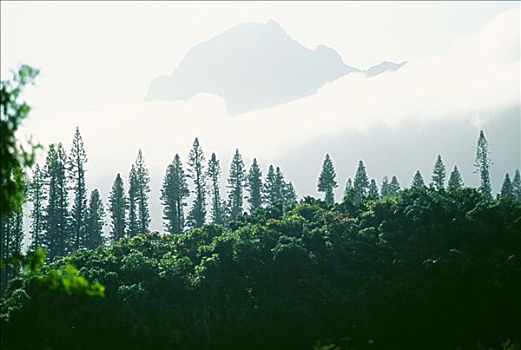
(252, 66)
(382, 67)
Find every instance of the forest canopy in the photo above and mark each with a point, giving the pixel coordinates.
(419, 269)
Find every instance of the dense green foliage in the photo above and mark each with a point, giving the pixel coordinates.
(15, 159)
(420, 269)
(13, 155)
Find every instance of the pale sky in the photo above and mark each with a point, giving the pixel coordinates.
(96, 53)
(97, 60)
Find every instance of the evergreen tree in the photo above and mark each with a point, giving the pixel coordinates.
(326, 181)
(455, 181)
(254, 186)
(417, 181)
(289, 194)
(173, 195)
(133, 226)
(117, 208)
(270, 187)
(12, 233)
(360, 184)
(142, 193)
(236, 180)
(482, 165)
(37, 196)
(276, 191)
(4, 237)
(57, 238)
(213, 173)
(507, 190)
(5, 274)
(17, 233)
(385, 189)
(197, 215)
(280, 185)
(76, 170)
(95, 221)
(394, 186)
(12, 229)
(372, 193)
(516, 185)
(11, 238)
(438, 175)
(348, 191)
(13, 156)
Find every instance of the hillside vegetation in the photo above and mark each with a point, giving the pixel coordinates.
(420, 269)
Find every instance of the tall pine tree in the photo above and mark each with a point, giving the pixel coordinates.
(11, 236)
(197, 215)
(133, 225)
(289, 194)
(348, 190)
(372, 193)
(254, 186)
(270, 189)
(438, 175)
(117, 209)
(173, 195)
(280, 185)
(507, 190)
(417, 181)
(236, 181)
(11, 224)
(455, 181)
(37, 196)
(57, 218)
(142, 193)
(95, 221)
(482, 165)
(385, 189)
(360, 184)
(76, 172)
(516, 185)
(217, 207)
(394, 186)
(326, 180)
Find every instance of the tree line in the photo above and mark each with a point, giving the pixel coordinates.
(65, 217)
(360, 189)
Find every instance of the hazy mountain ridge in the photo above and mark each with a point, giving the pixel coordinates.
(383, 67)
(254, 66)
